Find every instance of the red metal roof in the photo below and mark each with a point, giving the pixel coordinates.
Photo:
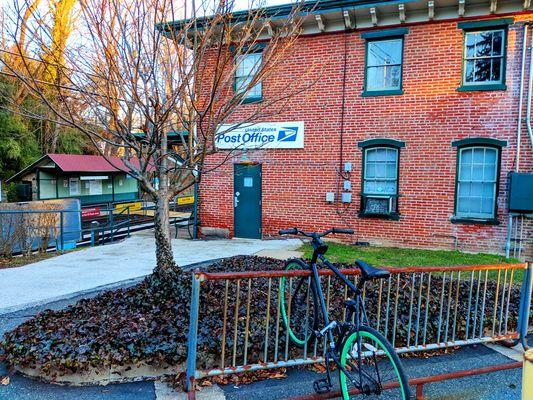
(79, 163)
(86, 163)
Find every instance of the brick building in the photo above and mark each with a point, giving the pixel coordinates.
(409, 135)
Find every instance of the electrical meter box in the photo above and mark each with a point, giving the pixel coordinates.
(521, 192)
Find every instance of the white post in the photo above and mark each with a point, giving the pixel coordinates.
(527, 376)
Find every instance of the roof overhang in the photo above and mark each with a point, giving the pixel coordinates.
(341, 15)
(44, 160)
(54, 161)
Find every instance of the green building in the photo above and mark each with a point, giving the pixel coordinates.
(92, 179)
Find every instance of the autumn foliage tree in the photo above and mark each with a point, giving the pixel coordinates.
(56, 18)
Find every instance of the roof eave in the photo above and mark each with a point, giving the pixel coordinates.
(27, 170)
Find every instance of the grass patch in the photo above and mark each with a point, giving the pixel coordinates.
(401, 257)
(19, 261)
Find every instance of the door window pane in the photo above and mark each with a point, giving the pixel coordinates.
(476, 182)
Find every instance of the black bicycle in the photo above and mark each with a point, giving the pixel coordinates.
(367, 362)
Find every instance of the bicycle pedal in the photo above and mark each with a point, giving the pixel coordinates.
(322, 386)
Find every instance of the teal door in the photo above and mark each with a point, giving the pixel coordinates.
(247, 201)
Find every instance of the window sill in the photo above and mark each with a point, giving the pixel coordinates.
(480, 88)
(372, 93)
(251, 100)
(474, 221)
(391, 216)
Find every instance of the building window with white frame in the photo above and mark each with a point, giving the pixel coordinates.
(477, 178)
(384, 65)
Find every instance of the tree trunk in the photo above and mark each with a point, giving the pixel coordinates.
(164, 256)
(167, 279)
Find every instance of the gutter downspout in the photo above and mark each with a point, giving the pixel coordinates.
(528, 113)
(521, 100)
(519, 130)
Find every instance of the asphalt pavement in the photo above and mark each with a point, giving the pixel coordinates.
(504, 385)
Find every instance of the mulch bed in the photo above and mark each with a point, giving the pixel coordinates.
(19, 261)
(141, 324)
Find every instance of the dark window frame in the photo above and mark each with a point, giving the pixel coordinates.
(484, 26)
(481, 142)
(376, 144)
(378, 36)
(255, 49)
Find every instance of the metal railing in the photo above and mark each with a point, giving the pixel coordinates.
(27, 231)
(30, 230)
(109, 230)
(418, 308)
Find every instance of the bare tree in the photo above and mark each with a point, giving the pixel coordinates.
(130, 78)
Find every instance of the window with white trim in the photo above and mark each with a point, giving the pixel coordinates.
(384, 64)
(380, 181)
(381, 171)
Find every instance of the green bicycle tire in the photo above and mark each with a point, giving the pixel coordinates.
(298, 340)
(385, 346)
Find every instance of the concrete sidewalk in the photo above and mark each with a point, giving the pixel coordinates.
(107, 266)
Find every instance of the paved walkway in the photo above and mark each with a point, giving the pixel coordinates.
(107, 266)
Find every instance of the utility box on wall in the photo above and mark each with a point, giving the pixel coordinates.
(521, 192)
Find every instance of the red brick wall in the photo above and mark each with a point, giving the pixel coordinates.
(427, 117)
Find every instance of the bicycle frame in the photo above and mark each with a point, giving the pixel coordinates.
(337, 349)
(356, 310)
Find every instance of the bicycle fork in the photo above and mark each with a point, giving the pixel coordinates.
(324, 385)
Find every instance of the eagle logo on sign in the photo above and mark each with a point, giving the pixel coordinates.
(287, 134)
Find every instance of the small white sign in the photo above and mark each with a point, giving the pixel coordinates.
(248, 181)
(74, 187)
(95, 187)
(261, 135)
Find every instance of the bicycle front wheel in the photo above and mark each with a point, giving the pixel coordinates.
(299, 305)
(378, 374)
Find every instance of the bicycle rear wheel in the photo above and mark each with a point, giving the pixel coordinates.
(299, 305)
(380, 375)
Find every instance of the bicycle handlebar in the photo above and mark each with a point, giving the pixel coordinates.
(343, 230)
(296, 231)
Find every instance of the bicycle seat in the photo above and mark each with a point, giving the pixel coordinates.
(368, 272)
